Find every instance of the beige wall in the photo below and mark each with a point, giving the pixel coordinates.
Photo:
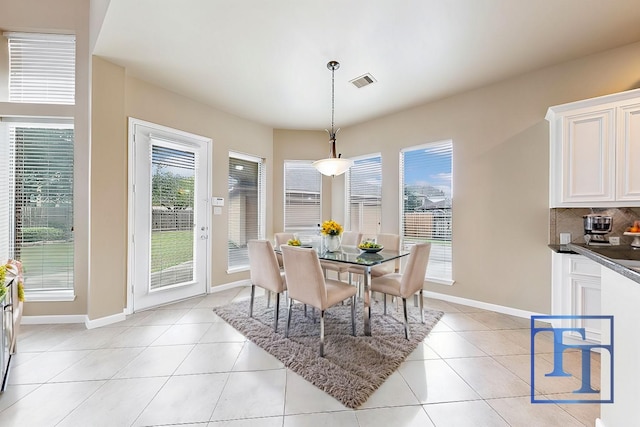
(108, 272)
(500, 171)
(229, 133)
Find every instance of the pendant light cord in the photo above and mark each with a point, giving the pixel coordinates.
(333, 98)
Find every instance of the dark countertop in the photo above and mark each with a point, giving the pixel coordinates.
(612, 257)
(562, 249)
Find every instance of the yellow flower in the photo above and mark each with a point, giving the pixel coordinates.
(331, 228)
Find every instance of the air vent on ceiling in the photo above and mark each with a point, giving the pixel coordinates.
(363, 80)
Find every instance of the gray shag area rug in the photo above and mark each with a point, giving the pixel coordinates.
(353, 367)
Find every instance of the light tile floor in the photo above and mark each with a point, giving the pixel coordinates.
(181, 364)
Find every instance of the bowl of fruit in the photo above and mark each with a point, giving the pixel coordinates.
(634, 231)
(370, 247)
(294, 242)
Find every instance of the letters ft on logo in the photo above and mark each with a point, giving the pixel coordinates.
(572, 339)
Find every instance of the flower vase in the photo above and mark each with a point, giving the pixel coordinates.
(332, 242)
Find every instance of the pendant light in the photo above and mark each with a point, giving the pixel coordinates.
(334, 164)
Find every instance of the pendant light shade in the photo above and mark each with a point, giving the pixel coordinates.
(334, 164)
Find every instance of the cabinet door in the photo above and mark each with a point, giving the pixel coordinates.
(588, 157)
(585, 301)
(628, 153)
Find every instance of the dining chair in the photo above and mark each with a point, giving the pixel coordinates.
(282, 239)
(307, 284)
(404, 285)
(390, 242)
(265, 273)
(349, 238)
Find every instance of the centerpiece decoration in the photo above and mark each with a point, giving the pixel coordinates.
(332, 234)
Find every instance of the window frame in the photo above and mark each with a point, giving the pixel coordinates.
(42, 68)
(312, 228)
(348, 194)
(261, 206)
(407, 242)
(39, 293)
(46, 112)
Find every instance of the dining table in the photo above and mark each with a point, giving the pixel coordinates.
(367, 260)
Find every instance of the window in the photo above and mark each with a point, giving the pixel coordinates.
(364, 195)
(173, 177)
(302, 194)
(41, 68)
(246, 207)
(41, 200)
(425, 173)
(37, 163)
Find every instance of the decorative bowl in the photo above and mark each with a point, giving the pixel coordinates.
(372, 250)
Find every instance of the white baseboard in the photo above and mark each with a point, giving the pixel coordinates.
(104, 321)
(53, 319)
(483, 305)
(73, 318)
(231, 285)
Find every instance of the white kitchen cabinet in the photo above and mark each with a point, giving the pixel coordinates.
(593, 147)
(576, 292)
(628, 152)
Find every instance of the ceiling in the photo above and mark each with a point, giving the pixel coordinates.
(265, 60)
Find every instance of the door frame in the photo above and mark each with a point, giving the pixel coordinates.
(131, 272)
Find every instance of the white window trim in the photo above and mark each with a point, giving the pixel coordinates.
(262, 178)
(49, 296)
(44, 113)
(435, 280)
(347, 189)
(284, 202)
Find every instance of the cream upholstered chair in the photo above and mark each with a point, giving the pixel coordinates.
(406, 284)
(282, 239)
(390, 242)
(265, 272)
(349, 238)
(306, 284)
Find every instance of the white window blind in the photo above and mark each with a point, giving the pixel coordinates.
(426, 213)
(41, 68)
(5, 199)
(172, 198)
(246, 206)
(41, 192)
(364, 195)
(302, 196)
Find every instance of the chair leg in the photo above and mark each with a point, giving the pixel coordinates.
(268, 299)
(253, 292)
(321, 333)
(276, 314)
(415, 300)
(421, 307)
(384, 298)
(290, 307)
(406, 319)
(353, 315)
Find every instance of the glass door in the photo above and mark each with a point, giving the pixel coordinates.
(170, 216)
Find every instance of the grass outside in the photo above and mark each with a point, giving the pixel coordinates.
(169, 248)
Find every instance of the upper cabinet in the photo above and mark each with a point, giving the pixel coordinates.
(595, 152)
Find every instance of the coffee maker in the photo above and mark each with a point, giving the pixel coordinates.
(595, 228)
